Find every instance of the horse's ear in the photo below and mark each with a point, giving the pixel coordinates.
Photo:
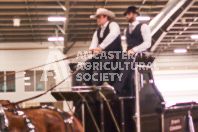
(7, 101)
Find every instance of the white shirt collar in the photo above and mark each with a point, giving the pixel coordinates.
(105, 25)
(134, 23)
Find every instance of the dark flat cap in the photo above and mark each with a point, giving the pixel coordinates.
(132, 9)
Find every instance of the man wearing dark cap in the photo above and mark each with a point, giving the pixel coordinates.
(138, 35)
(138, 39)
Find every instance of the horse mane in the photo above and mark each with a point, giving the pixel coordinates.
(5, 100)
(9, 104)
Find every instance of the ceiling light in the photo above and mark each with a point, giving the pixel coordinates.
(194, 36)
(56, 19)
(180, 51)
(56, 39)
(143, 18)
(16, 21)
(123, 37)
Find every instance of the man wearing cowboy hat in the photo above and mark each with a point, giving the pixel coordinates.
(106, 38)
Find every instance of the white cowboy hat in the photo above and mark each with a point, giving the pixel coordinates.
(103, 11)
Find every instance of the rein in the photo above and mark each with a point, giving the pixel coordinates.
(34, 97)
(66, 58)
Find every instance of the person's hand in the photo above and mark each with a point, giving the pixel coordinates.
(92, 50)
(130, 52)
(98, 49)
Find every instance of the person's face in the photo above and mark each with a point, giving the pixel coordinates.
(101, 19)
(131, 17)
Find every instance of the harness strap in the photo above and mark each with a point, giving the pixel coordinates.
(29, 126)
(68, 120)
(3, 120)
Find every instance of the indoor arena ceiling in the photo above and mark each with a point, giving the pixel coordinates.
(79, 27)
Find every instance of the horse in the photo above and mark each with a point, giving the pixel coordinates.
(53, 119)
(43, 119)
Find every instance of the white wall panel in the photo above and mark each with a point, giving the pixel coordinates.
(17, 60)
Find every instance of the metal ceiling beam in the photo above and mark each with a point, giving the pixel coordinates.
(165, 14)
(29, 33)
(15, 6)
(118, 1)
(115, 5)
(32, 1)
(25, 29)
(81, 32)
(49, 28)
(26, 2)
(35, 22)
(167, 23)
(181, 36)
(62, 6)
(79, 14)
(60, 12)
(62, 30)
(66, 25)
(2, 37)
(38, 24)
